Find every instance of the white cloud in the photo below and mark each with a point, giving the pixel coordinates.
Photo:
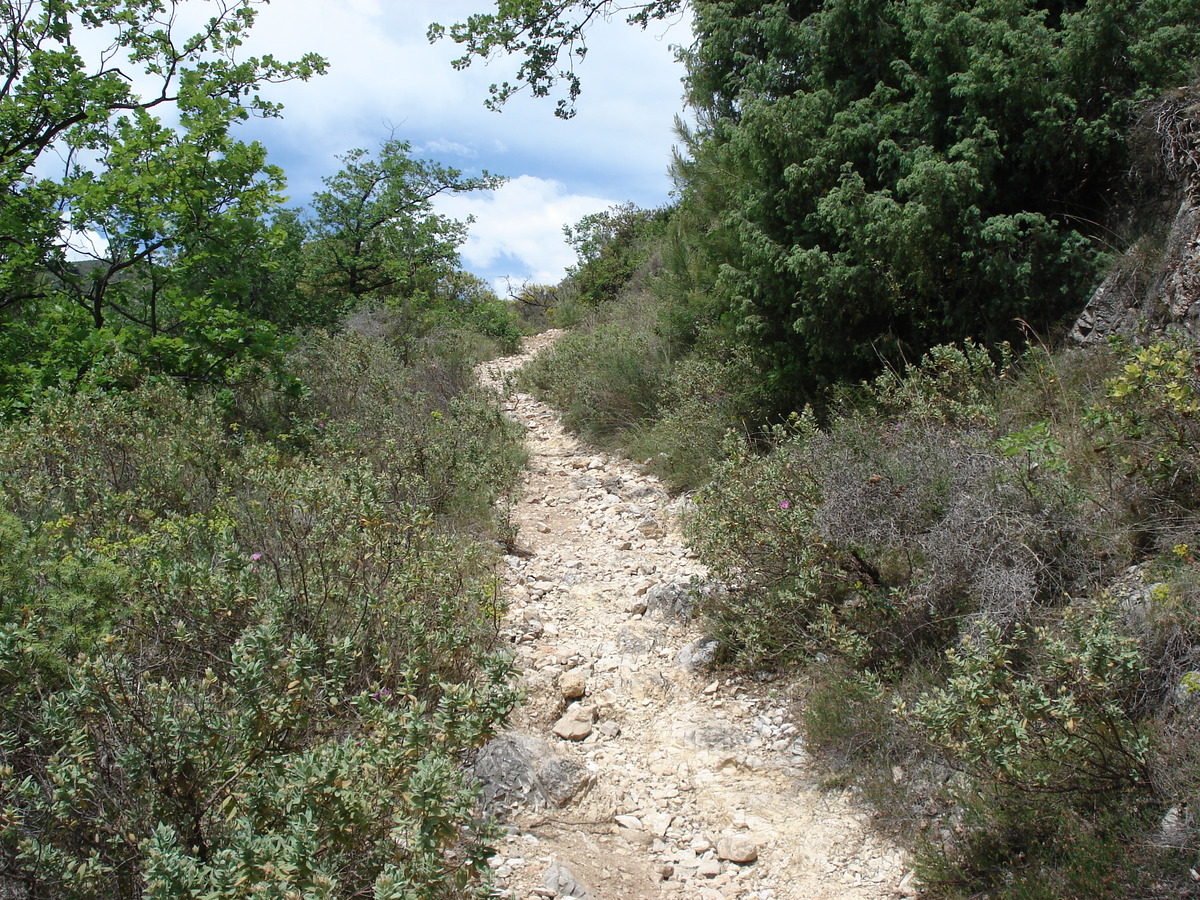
(385, 78)
(84, 245)
(442, 147)
(385, 75)
(518, 229)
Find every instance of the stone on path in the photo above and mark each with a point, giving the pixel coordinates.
(521, 769)
(652, 529)
(573, 685)
(575, 725)
(697, 654)
(673, 600)
(738, 848)
(560, 881)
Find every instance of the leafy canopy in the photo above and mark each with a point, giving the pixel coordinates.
(878, 176)
(165, 204)
(610, 247)
(549, 35)
(374, 233)
(54, 99)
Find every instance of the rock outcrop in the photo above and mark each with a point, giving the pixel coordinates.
(1152, 289)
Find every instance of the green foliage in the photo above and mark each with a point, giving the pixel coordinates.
(848, 718)
(638, 371)
(1017, 850)
(537, 306)
(46, 345)
(606, 379)
(167, 203)
(542, 32)
(765, 504)
(708, 392)
(870, 180)
(1059, 724)
(754, 529)
(942, 573)
(1060, 767)
(1153, 411)
(194, 269)
(374, 234)
(951, 385)
(231, 666)
(435, 436)
(905, 517)
(611, 247)
(467, 303)
(53, 96)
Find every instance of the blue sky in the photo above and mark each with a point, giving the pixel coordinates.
(384, 76)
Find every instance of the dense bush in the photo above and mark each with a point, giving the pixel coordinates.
(867, 180)
(612, 247)
(240, 666)
(608, 377)
(952, 548)
(907, 508)
(709, 390)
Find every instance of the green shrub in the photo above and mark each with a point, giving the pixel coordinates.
(1149, 425)
(427, 428)
(1007, 847)
(789, 594)
(755, 517)
(1045, 712)
(922, 546)
(898, 524)
(234, 666)
(848, 720)
(708, 392)
(612, 246)
(608, 379)
(950, 385)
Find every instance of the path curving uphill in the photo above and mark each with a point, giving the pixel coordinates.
(632, 772)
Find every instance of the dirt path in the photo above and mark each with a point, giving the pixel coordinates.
(632, 773)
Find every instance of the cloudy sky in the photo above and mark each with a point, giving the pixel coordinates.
(385, 77)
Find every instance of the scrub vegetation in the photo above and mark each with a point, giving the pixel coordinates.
(975, 545)
(251, 497)
(250, 494)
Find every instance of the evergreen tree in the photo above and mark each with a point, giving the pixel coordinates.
(869, 178)
(906, 172)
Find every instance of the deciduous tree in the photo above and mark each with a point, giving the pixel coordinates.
(54, 98)
(550, 36)
(150, 170)
(375, 233)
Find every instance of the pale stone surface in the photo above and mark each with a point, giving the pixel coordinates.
(737, 848)
(709, 868)
(573, 685)
(1152, 288)
(560, 881)
(665, 758)
(575, 725)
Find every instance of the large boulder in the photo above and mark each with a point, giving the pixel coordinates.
(520, 770)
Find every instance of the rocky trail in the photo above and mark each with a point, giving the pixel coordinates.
(632, 772)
